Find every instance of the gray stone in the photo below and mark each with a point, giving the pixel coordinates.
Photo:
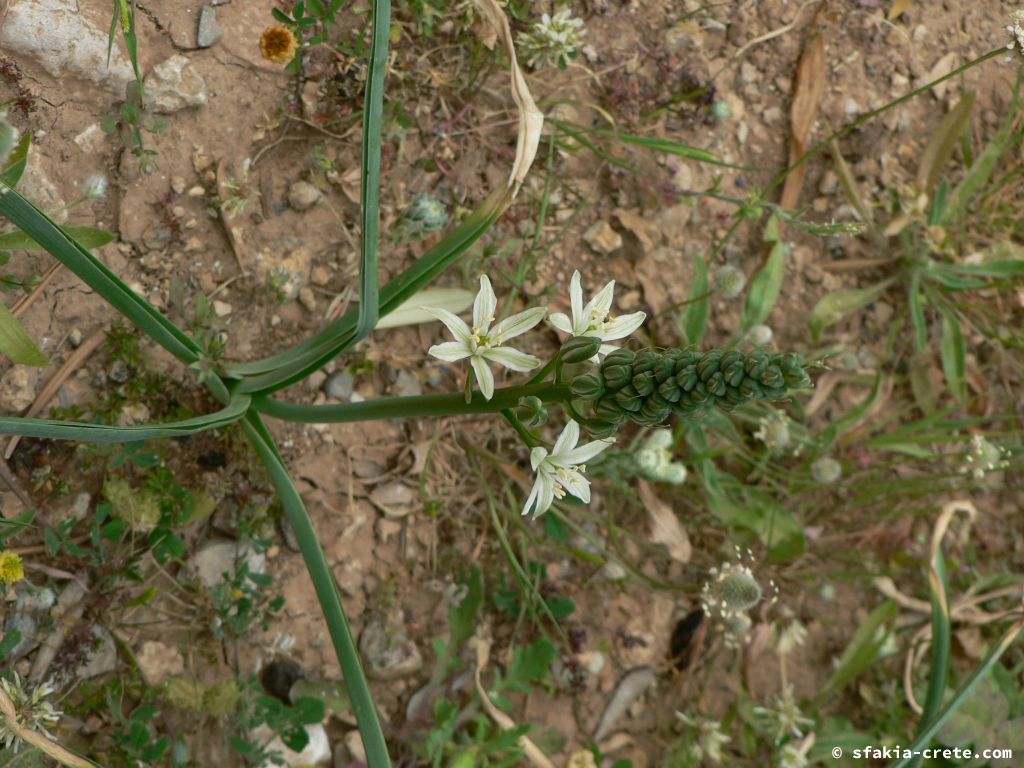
(407, 385)
(317, 751)
(340, 385)
(101, 656)
(389, 651)
(57, 36)
(394, 499)
(217, 558)
(210, 31)
(18, 388)
(174, 85)
(159, 662)
(302, 196)
(30, 605)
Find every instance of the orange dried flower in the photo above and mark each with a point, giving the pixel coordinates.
(278, 44)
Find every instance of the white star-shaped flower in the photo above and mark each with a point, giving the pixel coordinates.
(482, 344)
(593, 319)
(561, 471)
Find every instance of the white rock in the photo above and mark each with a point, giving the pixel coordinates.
(221, 308)
(159, 662)
(56, 35)
(92, 139)
(302, 196)
(223, 557)
(101, 657)
(317, 751)
(174, 85)
(602, 238)
(210, 31)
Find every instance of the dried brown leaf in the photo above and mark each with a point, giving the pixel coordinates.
(665, 526)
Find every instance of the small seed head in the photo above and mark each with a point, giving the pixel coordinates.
(729, 281)
(826, 470)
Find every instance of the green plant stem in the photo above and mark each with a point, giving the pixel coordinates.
(409, 407)
(326, 591)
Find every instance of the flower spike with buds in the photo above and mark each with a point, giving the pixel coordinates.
(561, 471)
(482, 344)
(592, 319)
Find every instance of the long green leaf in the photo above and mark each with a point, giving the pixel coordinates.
(765, 287)
(943, 142)
(326, 591)
(17, 162)
(834, 306)
(15, 343)
(96, 275)
(87, 237)
(954, 355)
(53, 429)
(373, 112)
(1001, 268)
(925, 737)
(941, 640)
(917, 311)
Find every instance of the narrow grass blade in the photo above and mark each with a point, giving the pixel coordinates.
(87, 237)
(373, 112)
(834, 306)
(53, 429)
(850, 186)
(917, 311)
(926, 736)
(938, 580)
(1001, 268)
(326, 591)
(695, 320)
(96, 275)
(862, 650)
(295, 364)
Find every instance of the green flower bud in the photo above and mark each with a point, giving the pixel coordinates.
(579, 349)
(643, 383)
(531, 411)
(587, 387)
(608, 408)
(602, 428)
(826, 470)
(629, 399)
(618, 357)
(426, 214)
(617, 376)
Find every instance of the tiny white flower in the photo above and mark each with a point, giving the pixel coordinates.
(561, 471)
(1016, 31)
(785, 716)
(592, 318)
(482, 344)
(788, 639)
(792, 757)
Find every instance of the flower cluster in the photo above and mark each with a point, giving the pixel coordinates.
(653, 459)
(560, 471)
(553, 40)
(594, 319)
(984, 457)
(1016, 31)
(785, 716)
(11, 568)
(707, 746)
(31, 711)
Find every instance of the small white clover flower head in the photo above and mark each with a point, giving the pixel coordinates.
(731, 590)
(826, 470)
(1016, 31)
(594, 319)
(984, 457)
(791, 756)
(773, 431)
(710, 738)
(481, 343)
(425, 214)
(654, 459)
(553, 40)
(95, 186)
(785, 716)
(758, 336)
(789, 639)
(31, 711)
(729, 281)
(560, 471)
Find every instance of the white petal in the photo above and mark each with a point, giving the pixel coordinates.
(547, 497)
(537, 455)
(566, 441)
(450, 351)
(584, 453)
(484, 377)
(511, 327)
(484, 305)
(458, 328)
(576, 297)
(561, 322)
(599, 306)
(576, 484)
(512, 359)
(623, 326)
(534, 493)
